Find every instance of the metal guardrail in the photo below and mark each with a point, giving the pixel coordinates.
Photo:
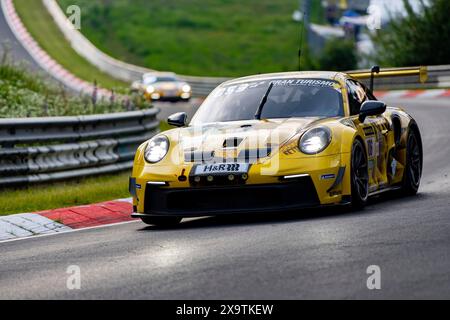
(438, 77)
(56, 148)
(202, 86)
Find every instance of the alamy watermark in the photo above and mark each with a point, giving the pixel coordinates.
(374, 280)
(74, 279)
(74, 17)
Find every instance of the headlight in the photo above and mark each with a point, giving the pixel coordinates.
(186, 88)
(150, 89)
(156, 149)
(315, 140)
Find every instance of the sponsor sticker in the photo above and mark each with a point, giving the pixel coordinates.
(393, 167)
(371, 147)
(237, 88)
(304, 82)
(291, 148)
(221, 168)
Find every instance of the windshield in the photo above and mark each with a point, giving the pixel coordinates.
(165, 79)
(288, 98)
(151, 79)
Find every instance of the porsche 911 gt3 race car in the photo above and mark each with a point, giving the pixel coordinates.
(282, 141)
(163, 87)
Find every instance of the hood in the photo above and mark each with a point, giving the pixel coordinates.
(169, 85)
(232, 139)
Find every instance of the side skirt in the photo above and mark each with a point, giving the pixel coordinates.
(377, 192)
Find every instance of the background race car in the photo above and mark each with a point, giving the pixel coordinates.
(163, 87)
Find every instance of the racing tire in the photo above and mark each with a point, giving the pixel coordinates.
(162, 221)
(359, 175)
(413, 168)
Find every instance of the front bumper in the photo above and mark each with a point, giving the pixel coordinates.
(268, 192)
(215, 200)
(161, 95)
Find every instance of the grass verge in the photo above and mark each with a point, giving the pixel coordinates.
(41, 26)
(64, 194)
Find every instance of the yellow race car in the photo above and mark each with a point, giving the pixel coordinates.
(282, 141)
(163, 86)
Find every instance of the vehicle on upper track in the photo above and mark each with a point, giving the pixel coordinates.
(163, 86)
(278, 141)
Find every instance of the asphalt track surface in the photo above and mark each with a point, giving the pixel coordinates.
(12, 47)
(12, 51)
(309, 254)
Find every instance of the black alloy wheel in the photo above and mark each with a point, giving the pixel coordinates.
(413, 169)
(359, 175)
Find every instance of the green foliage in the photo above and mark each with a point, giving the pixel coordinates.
(419, 39)
(24, 94)
(164, 126)
(317, 14)
(198, 37)
(43, 29)
(339, 55)
(64, 194)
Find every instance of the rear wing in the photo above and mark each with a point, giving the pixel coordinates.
(421, 72)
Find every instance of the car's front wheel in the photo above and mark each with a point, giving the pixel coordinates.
(359, 175)
(413, 169)
(162, 221)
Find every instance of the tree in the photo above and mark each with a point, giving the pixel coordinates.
(420, 38)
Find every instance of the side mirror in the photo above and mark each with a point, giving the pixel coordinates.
(178, 119)
(371, 108)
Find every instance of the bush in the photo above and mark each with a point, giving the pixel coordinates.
(418, 39)
(339, 55)
(24, 94)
